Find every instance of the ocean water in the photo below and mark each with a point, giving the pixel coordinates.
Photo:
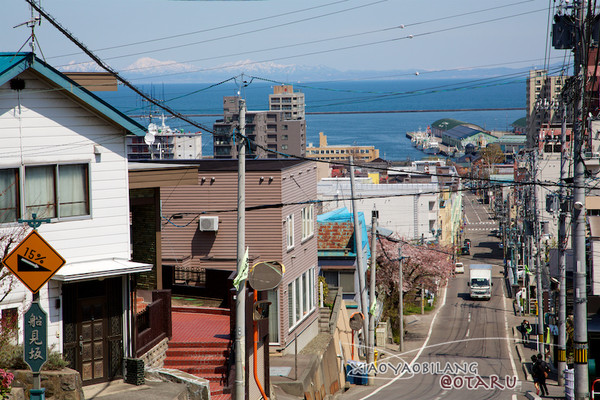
(387, 132)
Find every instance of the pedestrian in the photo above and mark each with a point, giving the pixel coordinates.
(539, 372)
(525, 331)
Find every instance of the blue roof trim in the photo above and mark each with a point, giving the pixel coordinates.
(344, 215)
(13, 64)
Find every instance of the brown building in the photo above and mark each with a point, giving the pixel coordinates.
(270, 132)
(199, 232)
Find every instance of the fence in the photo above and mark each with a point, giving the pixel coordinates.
(154, 323)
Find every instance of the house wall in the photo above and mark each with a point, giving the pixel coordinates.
(42, 126)
(265, 228)
(403, 208)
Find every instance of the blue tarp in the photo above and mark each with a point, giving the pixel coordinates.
(343, 215)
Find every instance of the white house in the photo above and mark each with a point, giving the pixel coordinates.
(409, 209)
(64, 158)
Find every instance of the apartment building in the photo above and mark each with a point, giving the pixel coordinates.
(272, 134)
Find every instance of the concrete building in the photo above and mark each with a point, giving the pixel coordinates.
(285, 99)
(168, 145)
(543, 99)
(410, 210)
(340, 152)
(269, 132)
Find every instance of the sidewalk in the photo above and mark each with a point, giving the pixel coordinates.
(524, 352)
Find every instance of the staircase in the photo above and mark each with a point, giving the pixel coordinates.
(200, 346)
(206, 360)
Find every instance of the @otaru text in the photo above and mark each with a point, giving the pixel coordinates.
(452, 375)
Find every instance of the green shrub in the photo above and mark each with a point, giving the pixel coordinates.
(11, 357)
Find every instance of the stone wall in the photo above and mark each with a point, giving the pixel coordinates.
(64, 384)
(155, 357)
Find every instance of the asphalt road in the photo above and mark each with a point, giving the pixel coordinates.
(467, 346)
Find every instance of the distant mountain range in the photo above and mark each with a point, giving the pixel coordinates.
(149, 70)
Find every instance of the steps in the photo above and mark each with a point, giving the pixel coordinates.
(205, 359)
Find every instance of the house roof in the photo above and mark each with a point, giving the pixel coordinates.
(446, 123)
(342, 215)
(512, 139)
(13, 64)
(215, 164)
(462, 132)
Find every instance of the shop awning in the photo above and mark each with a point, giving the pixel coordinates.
(99, 269)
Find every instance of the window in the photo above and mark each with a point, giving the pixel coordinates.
(9, 195)
(273, 297)
(49, 191)
(284, 147)
(289, 222)
(301, 297)
(284, 137)
(308, 227)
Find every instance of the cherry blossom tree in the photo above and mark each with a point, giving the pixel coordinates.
(429, 265)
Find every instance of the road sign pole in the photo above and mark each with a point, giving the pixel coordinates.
(35, 347)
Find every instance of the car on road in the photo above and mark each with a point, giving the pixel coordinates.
(459, 268)
(465, 250)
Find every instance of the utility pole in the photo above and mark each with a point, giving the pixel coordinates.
(371, 353)
(538, 269)
(359, 258)
(562, 260)
(401, 299)
(578, 218)
(240, 299)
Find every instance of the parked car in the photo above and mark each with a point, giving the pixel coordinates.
(459, 268)
(465, 250)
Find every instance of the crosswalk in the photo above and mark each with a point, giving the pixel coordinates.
(480, 226)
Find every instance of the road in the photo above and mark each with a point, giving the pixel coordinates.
(468, 341)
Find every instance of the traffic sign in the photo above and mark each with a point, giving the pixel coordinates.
(35, 332)
(33, 261)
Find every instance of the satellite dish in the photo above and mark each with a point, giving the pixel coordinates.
(150, 135)
(266, 275)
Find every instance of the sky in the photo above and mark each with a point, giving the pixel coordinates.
(373, 35)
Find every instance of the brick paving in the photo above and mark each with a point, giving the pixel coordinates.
(200, 346)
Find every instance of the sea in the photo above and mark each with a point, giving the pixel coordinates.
(419, 103)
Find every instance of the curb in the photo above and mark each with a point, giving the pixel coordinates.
(532, 396)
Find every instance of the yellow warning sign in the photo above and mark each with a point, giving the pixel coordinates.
(33, 261)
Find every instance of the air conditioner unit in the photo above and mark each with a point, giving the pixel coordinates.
(208, 224)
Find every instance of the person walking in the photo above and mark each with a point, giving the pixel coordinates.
(539, 371)
(525, 331)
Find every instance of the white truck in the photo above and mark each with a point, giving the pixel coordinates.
(480, 281)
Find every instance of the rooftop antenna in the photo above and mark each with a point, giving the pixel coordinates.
(33, 21)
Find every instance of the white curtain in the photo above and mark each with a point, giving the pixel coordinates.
(72, 183)
(8, 195)
(40, 195)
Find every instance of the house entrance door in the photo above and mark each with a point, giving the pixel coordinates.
(91, 329)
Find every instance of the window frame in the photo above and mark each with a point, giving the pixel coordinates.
(308, 222)
(301, 298)
(289, 226)
(23, 208)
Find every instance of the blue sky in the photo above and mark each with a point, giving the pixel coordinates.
(340, 34)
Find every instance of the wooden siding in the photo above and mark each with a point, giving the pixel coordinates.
(265, 228)
(52, 128)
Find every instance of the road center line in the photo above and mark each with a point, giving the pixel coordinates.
(420, 350)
